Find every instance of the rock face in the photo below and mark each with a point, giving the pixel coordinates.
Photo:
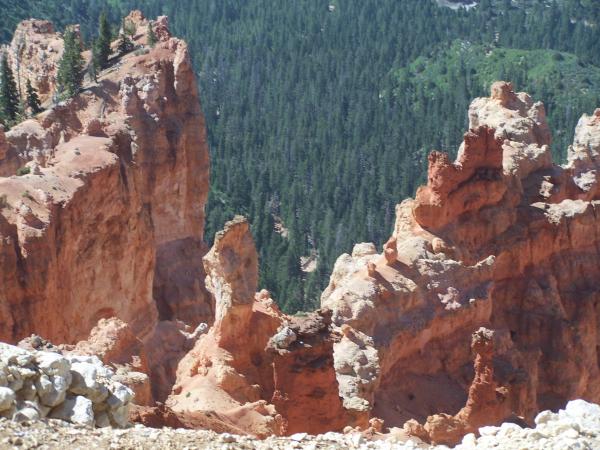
(115, 344)
(501, 238)
(77, 389)
(487, 402)
(134, 147)
(108, 223)
(257, 368)
(34, 54)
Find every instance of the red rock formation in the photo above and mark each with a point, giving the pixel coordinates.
(305, 392)
(109, 222)
(226, 371)
(266, 372)
(487, 402)
(34, 54)
(149, 146)
(501, 238)
(471, 183)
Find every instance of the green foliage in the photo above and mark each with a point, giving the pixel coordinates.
(444, 83)
(69, 76)
(94, 65)
(33, 101)
(9, 96)
(151, 38)
(23, 171)
(128, 27)
(125, 45)
(103, 41)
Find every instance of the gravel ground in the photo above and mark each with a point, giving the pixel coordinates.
(577, 427)
(54, 434)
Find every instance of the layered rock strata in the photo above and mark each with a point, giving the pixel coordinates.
(116, 191)
(481, 307)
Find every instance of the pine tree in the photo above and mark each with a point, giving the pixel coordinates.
(33, 101)
(70, 67)
(125, 44)
(128, 27)
(151, 38)
(9, 98)
(103, 42)
(94, 64)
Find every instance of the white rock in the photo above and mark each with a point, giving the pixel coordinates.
(119, 396)
(93, 360)
(581, 408)
(488, 431)
(76, 409)
(53, 364)
(469, 440)
(120, 416)
(102, 420)
(544, 417)
(85, 382)
(11, 354)
(283, 338)
(7, 398)
(298, 436)
(364, 249)
(52, 390)
(27, 413)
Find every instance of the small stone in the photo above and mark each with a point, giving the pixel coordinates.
(544, 417)
(488, 431)
(7, 398)
(120, 416)
(76, 409)
(298, 437)
(26, 414)
(227, 438)
(283, 338)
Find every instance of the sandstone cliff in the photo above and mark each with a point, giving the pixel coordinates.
(109, 221)
(501, 238)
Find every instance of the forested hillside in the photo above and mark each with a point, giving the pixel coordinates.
(321, 113)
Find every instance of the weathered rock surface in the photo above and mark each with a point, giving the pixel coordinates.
(34, 53)
(77, 389)
(114, 343)
(256, 368)
(109, 221)
(487, 402)
(503, 239)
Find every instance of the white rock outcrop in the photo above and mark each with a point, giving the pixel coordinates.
(77, 389)
(575, 427)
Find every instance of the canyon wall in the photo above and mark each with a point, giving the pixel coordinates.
(481, 307)
(108, 221)
(501, 238)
